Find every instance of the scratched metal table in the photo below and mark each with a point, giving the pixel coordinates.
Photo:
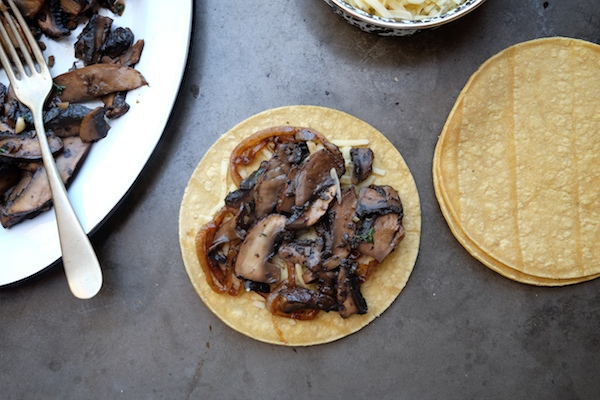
(457, 331)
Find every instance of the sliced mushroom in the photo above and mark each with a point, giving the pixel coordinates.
(129, 57)
(378, 200)
(9, 176)
(32, 195)
(307, 253)
(117, 42)
(271, 182)
(254, 260)
(65, 121)
(116, 102)
(385, 233)
(362, 161)
(90, 42)
(342, 227)
(76, 7)
(314, 174)
(87, 83)
(30, 8)
(349, 296)
(14, 109)
(94, 126)
(313, 186)
(308, 216)
(52, 21)
(381, 213)
(287, 200)
(286, 300)
(25, 147)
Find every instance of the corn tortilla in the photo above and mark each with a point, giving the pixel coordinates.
(244, 313)
(517, 166)
(493, 263)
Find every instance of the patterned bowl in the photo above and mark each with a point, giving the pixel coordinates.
(391, 27)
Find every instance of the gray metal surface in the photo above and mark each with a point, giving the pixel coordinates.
(457, 331)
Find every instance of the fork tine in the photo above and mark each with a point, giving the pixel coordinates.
(4, 59)
(18, 33)
(32, 43)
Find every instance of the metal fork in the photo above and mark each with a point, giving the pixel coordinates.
(31, 81)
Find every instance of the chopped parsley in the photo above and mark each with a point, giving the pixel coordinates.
(367, 237)
(59, 89)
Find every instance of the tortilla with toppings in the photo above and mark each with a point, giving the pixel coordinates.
(251, 312)
(517, 166)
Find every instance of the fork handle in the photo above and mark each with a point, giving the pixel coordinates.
(80, 262)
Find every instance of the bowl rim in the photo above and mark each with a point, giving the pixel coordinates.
(455, 13)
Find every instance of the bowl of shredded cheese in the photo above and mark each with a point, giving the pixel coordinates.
(401, 17)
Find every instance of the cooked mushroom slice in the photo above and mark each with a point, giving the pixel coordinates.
(87, 83)
(14, 109)
(90, 42)
(254, 260)
(28, 199)
(30, 8)
(93, 126)
(305, 217)
(287, 200)
(34, 195)
(271, 182)
(349, 297)
(226, 235)
(383, 234)
(66, 121)
(244, 194)
(129, 57)
(259, 287)
(76, 7)
(314, 187)
(287, 300)
(378, 200)
(381, 227)
(241, 201)
(52, 21)
(3, 93)
(362, 161)
(25, 147)
(314, 175)
(117, 42)
(116, 102)
(9, 176)
(342, 227)
(307, 253)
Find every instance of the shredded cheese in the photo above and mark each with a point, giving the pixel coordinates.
(379, 171)
(338, 188)
(350, 142)
(405, 9)
(367, 182)
(258, 304)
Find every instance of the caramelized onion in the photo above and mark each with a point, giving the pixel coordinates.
(220, 281)
(245, 152)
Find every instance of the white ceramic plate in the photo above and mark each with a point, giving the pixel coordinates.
(115, 162)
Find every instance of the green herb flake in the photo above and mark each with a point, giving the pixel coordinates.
(59, 89)
(367, 237)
